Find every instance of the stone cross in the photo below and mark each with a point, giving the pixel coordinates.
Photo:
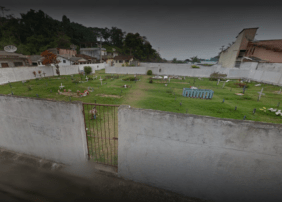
(86, 78)
(279, 91)
(218, 80)
(101, 80)
(260, 93)
(169, 79)
(61, 86)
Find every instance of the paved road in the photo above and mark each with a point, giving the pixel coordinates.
(19, 182)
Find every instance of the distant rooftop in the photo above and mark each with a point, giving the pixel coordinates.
(91, 49)
(246, 29)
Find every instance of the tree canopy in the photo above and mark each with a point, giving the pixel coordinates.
(35, 32)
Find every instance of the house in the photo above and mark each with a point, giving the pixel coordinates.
(90, 60)
(8, 59)
(120, 61)
(247, 49)
(35, 60)
(93, 52)
(63, 52)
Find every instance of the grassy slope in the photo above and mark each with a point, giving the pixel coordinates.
(156, 96)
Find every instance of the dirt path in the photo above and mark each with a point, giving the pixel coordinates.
(137, 93)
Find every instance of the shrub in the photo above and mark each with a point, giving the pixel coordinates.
(195, 66)
(149, 72)
(29, 88)
(241, 85)
(216, 75)
(87, 70)
(75, 81)
(151, 80)
(130, 78)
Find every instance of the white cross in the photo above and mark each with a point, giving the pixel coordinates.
(101, 80)
(61, 86)
(223, 85)
(260, 93)
(218, 81)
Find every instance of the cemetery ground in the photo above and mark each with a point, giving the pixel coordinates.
(157, 96)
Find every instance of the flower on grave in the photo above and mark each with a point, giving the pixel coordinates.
(263, 109)
(65, 90)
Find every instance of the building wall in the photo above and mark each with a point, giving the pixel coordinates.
(47, 129)
(268, 55)
(227, 58)
(204, 157)
(11, 62)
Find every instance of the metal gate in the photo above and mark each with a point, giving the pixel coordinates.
(101, 126)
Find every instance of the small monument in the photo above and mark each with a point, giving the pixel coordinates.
(101, 80)
(218, 80)
(260, 93)
(61, 87)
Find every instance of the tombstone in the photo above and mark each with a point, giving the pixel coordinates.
(235, 108)
(101, 80)
(244, 88)
(169, 79)
(223, 101)
(50, 91)
(61, 87)
(223, 85)
(260, 93)
(218, 80)
(165, 84)
(86, 78)
(244, 117)
(279, 91)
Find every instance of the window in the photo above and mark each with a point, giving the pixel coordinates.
(64, 61)
(116, 61)
(127, 61)
(160, 70)
(241, 53)
(34, 64)
(237, 64)
(18, 64)
(120, 61)
(4, 65)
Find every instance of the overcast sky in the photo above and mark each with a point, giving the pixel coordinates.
(179, 28)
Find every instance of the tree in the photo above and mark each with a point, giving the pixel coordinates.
(174, 60)
(195, 59)
(51, 59)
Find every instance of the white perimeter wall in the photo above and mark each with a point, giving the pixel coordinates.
(268, 73)
(46, 129)
(204, 157)
(25, 73)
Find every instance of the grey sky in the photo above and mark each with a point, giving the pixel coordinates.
(180, 29)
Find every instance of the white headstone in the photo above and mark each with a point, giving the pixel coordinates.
(218, 80)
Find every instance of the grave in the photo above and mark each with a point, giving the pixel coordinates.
(198, 93)
(260, 93)
(61, 87)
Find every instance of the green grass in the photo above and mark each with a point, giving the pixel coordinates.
(156, 95)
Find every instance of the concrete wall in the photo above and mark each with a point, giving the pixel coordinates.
(262, 72)
(25, 73)
(209, 158)
(46, 129)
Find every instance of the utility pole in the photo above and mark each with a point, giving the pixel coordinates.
(100, 49)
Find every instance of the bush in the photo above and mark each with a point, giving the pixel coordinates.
(87, 70)
(149, 72)
(130, 79)
(216, 75)
(195, 66)
(151, 80)
(75, 81)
